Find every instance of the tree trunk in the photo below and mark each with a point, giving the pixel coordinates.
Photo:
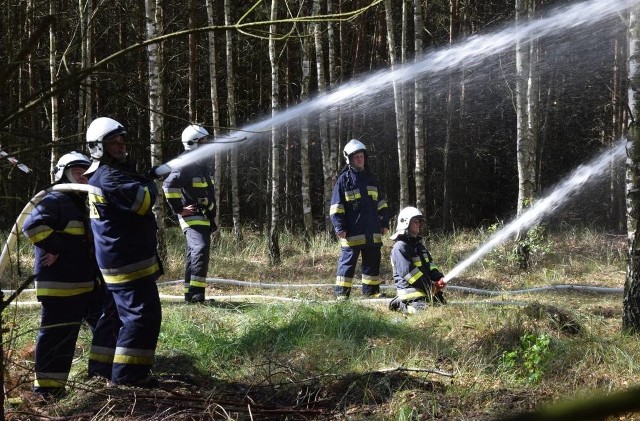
(193, 64)
(327, 163)
(399, 110)
(274, 247)
(631, 300)
(215, 106)
(305, 182)
(55, 135)
(153, 10)
(333, 122)
(452, 88)
(525, 143)
(231, 104)
(616, 214)
(419, 129)
(86, 40)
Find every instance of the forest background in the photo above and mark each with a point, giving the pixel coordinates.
(447, 142)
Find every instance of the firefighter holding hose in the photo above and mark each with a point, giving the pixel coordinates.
(419, 282)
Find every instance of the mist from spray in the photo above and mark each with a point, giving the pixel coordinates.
(560, 195)
(466, 55)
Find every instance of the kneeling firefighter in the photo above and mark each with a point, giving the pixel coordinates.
(418, 280)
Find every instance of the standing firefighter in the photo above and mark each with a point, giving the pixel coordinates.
(359, 214)
(190, 192)
(418, 280)
(66, 274)
(124, 229)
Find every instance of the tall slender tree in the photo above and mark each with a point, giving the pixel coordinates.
(526, 103)
(631, 301)
(153, 10)
(327, 164)
(231, 111)
(55, 131)
(399, 108)
(274, 228)
(305, 173)
(215, 103)
(419, 129)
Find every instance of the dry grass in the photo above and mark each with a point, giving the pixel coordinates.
(260, 358)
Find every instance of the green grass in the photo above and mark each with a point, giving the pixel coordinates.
(357, 360)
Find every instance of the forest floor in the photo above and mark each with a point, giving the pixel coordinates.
(286, 350)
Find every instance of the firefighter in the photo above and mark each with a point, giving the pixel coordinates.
(124, 230)
(418, 280)
(190, 192)
(66, 274)
(360, 218)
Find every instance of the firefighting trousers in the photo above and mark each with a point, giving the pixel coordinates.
(129, 354)
(198, 242)
(347, 268)
(59, 327)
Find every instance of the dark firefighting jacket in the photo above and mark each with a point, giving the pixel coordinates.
(123, 224)
(359, 208)
(192, 185)
(413, 268)
(59, 225)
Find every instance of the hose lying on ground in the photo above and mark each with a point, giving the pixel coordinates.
(467, 290)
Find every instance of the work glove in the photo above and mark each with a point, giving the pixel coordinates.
(438, 285)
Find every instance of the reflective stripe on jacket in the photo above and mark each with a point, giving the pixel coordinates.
(59, 225)
(358, 208)
(124, 225)
(192, 185)
(413, 268)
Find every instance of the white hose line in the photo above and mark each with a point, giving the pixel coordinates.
(468, 290)
(17, 226)
(271, 299)
(582, 288)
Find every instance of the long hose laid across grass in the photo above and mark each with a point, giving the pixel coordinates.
(275, 298)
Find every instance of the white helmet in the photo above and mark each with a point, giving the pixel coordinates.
(404, 219)
(99, 129)
(353, 146)
(191, 135)
(66, 162)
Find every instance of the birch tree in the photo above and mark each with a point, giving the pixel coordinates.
(419, 131)
(55, 135)
(305, 182)
(631, 300)
(274, 247)
(153, 11)
(525, 122)
(399, 109)
(215, 103)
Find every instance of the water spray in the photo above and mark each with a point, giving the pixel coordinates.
(465, 55)
(560, 195)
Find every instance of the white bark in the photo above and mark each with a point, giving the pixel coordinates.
(274, 248)
(55, 135)
(399, 110)
(419, 108)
